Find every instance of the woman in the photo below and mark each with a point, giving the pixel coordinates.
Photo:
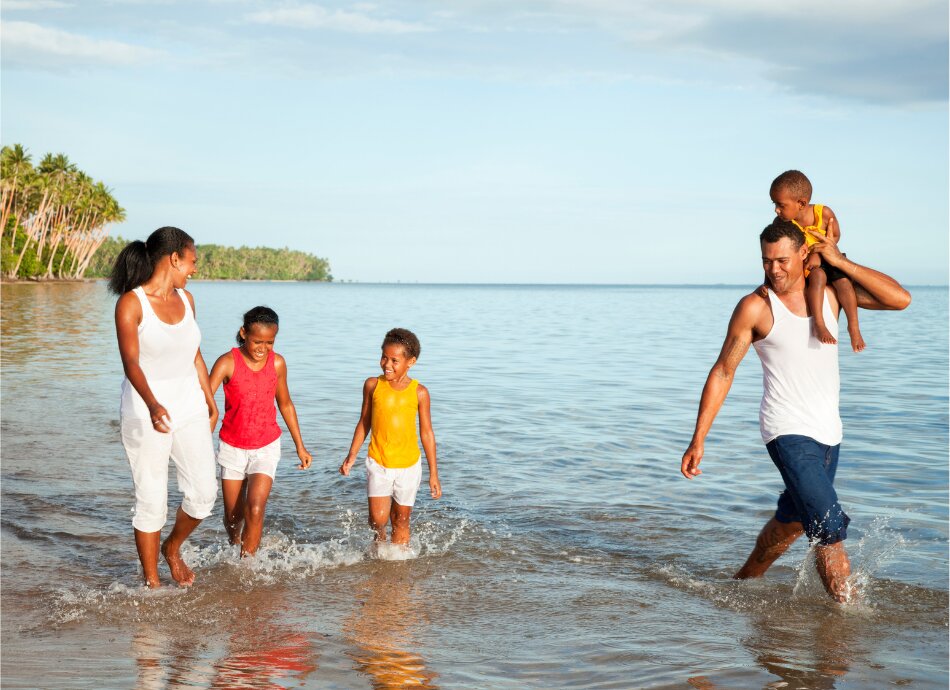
(166, 397)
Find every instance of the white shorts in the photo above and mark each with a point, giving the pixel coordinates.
(237, 463)
(400, 483)
(191, 449)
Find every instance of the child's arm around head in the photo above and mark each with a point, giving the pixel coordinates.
(289, 412)
(427, 436)
(363, 425)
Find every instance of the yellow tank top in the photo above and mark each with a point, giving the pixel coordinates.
(394, 441)
(818, 227)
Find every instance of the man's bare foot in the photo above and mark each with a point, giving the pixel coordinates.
(824, 335)
(181, 573)
(152, 582)
(857, 342)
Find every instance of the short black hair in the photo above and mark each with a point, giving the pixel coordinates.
(262, 315)
(406, 338)
(779, 228)
(794, 182)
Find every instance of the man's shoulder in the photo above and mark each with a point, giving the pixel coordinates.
(754, 303)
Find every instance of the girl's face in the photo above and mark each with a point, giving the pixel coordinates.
(259, 341)
(395, 363)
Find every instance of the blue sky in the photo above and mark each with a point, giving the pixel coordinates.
(587, 141)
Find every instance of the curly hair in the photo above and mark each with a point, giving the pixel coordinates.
(778, 229)
(406, 338)
(794, 182)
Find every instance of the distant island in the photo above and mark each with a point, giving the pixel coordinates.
(54, 225)
(216, 262)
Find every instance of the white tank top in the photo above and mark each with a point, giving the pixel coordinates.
(799, 377)
(167, 356)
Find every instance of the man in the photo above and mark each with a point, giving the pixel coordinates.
(799, 417)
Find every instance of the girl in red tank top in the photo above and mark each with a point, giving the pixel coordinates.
(254, 376)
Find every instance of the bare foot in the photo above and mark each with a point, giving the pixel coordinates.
(152, 582)
(181, 573)
(857, 342)
(824, 335)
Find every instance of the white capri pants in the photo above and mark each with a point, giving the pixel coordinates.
(192, 450)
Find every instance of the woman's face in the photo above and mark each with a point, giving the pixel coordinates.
(185, 264)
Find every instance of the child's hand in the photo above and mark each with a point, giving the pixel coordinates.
(345, 467)
(435, 487)
(813, 261)
(305, 459)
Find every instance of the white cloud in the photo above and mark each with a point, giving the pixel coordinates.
(309, 16)
(10, 5)
(29, 45)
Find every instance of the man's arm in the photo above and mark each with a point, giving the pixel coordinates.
(874, 289)
(719, 381)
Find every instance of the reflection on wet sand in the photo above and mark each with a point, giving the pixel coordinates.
(803, 648)
(381, 628)
(261, 651)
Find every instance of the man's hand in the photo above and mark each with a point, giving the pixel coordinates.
(691, 459)
(305, 458)
(826, 247)
(347, 464)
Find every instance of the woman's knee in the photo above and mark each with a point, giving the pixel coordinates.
(150, 514)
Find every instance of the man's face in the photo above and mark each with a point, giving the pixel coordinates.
(783, 262)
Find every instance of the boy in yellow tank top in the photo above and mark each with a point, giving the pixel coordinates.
(391, 405)
(791, 194)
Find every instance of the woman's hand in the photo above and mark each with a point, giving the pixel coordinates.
(161, 421)
(305, 458)
(347, 464)
(435, 488)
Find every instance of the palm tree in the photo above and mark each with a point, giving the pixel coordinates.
(14, 168)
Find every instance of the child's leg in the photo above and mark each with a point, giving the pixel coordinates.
(814, 296)
(232, 491)
(379, 515)
(849, 302)
(258, 490)
(399, 515)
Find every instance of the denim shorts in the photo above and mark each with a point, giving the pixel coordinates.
(808, 470)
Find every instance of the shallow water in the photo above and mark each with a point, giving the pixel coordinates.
(567, 550)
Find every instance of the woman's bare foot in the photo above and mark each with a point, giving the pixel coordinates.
(152, 582)
(824, 335)
(857, 341)
(181, 573)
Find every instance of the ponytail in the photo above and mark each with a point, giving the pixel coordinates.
(132, 267)
(136, 262)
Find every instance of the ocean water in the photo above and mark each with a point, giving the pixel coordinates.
(567, 550)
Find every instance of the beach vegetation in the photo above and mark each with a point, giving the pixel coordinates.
(53, 216)
(217, 262)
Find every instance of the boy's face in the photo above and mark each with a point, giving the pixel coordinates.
(787, 207)
(395, 362)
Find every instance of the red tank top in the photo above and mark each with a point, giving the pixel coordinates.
(250, 415)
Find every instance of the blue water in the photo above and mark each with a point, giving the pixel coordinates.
(567, 550)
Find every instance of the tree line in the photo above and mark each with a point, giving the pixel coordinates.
(55, 219)
(53, 216)
(216, 262)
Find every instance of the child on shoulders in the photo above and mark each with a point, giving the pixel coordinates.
(791, 194)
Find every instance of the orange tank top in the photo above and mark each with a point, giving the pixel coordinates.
(818, 227)
(394, 440)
